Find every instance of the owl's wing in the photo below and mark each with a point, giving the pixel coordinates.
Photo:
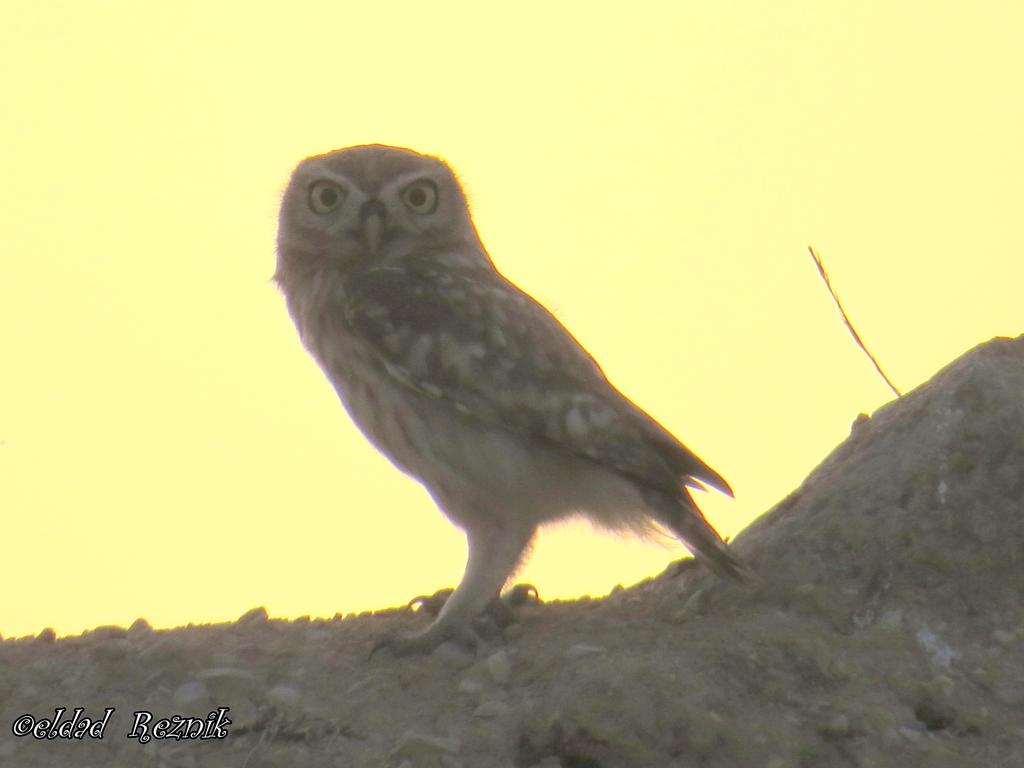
(476, 342)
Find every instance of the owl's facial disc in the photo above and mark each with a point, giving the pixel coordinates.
(372, 218)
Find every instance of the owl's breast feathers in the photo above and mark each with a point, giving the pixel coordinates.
(475, 342)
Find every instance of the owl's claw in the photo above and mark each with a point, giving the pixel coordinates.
(502, 610)
(427, 640)
(432, 604)
(521, 594)
(499, 613)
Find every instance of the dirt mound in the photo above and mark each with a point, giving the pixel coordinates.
(886, 630)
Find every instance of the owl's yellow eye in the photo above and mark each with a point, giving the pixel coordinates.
(420, 196)
(325, 196)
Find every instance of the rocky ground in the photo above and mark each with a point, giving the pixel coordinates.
(886, 629)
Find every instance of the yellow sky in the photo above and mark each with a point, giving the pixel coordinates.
(651, 173)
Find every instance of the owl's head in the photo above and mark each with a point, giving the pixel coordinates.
(369, 205)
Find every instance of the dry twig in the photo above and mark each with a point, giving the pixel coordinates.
(846, 319)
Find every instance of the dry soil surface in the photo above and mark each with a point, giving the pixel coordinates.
(885, 629)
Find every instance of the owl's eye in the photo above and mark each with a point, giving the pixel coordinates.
(420, 196)
(325, 196)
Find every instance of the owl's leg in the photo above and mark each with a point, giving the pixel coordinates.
(494, 552)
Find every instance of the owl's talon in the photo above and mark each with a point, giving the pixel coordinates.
(503, 610)
(432, 604)
(427, 640)
(521, 594)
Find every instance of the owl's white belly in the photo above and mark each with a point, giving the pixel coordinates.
(477, 471)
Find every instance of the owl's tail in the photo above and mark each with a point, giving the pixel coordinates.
(690, 525)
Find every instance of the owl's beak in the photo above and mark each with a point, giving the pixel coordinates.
(371, 218)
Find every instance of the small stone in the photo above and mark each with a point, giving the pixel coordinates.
(491, 709)
(47, 635)
(373, 680)
(107, 632)
(254, 616)
(910, 734)
(157, 645)
(890, 619)
(1003, 636)
(1010, 693)
(112, 650)
(470, 686)
(221, 673)
(499, 667)
(697, 602)
(284, 695)
(579, 650)
(837, 726)
(944, 684)
(453, 655)
(191, 693)
(413, 744)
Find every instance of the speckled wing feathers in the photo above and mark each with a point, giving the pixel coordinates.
(468, 337)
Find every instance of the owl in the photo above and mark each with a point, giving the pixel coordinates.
(466, 383)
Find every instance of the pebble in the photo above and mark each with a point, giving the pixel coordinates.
(190, 693)
(373, 679)
(1010, 692)
(107, 632)
(910, 734)
(48, 635)
(284, 695)
(413, 744)
(470, 686)
(499, 667)
(1003, 636)
(491, 709)
(890, 619)
(112, 649)
(579, 650)
(220, 673)
(839, 725)
(254, 616)
(548, 762)
(454, 655)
